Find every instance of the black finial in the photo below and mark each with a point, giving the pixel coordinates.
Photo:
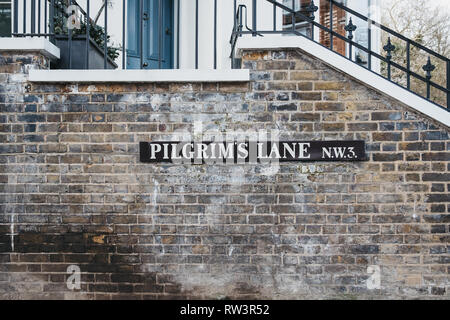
(350, 28)
(311, 8)
(389, 47)
(429, 67)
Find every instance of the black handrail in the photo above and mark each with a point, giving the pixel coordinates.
(238, 31)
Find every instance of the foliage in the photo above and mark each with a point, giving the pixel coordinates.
(426, 25)
(96, 32)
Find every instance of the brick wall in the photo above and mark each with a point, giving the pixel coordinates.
(73, 192)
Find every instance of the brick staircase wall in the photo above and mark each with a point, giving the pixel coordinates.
(73, 192)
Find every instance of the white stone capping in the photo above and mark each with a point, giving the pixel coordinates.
(177, 75)
(352, 69)
(41, 45)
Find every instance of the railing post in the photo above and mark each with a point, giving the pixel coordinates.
(88, 30)
(274, 17)
(70, 39)
(124, 47)
(234, 15)
(331, 25)
(389, 47)
(350, 28)
(254, 34)
(39, 16)
(448, 84)
(52, 21)
(141, 34)
(241, 19)
(45, 16)
(16, 16)
(105, 44)
(312, 8)
(33, 16)
(292, 16)
(24, 17)
(178, 34)
(160, 34)
(215, 34)
(408, 65)
(369, 44)
(196, 34)
(389, 70)
(428, 68)
(232, 56)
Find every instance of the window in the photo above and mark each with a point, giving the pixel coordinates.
(5, 18)
(322, 16)
(339, 22)
(301, 25)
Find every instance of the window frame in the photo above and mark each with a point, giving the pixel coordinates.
(6, 33)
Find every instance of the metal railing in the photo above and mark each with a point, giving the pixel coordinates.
(62, 21)
(39, 17)
(46, 18)
(405, 74)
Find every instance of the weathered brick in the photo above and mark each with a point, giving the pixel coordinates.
(387, 156)
(309, 96)
(73, 186)
(97, 127)
(305, 116)
(329, 106)
(282, 107)
(281, 86)
(363, 126)
(436, 156)
(304, 86)
(386, 136)
(329, 85)
(436, 177)
(304, 75)
(388, 198)
(414, 146)
(376, 116)
(438, 197)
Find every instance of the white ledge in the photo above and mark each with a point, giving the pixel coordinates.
(107, 76)
(41, 45)
(337, 61)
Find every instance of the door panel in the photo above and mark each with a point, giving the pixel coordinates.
(152, 15)
(133, 35)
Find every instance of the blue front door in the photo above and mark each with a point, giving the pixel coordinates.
(157, 34)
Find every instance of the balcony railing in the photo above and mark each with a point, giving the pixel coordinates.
(430, 80)
(384, 51)
(48, 18)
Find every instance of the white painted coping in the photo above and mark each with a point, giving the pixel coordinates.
(41, 45)
(177, 75)
(352, 69)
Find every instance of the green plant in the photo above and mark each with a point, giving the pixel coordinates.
(96, 32)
